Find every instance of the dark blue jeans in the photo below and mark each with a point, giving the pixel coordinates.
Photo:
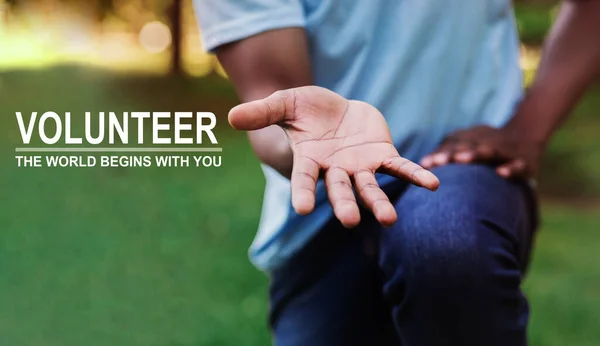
(447, 273)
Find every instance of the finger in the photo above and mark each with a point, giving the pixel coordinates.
(464, 152)
(439, 157)
(402, 168)
(259, 114)
(341, 197)
(465, 156)
(442, 155)
(486, 152)
(513, 169)
(427, 161)
(482, 153)
(374, 198)
(305, 173)
(446, 154)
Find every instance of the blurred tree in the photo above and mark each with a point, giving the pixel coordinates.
(172, 11)
(10, 6)
(3, 14)
(101, 7)
(175, 18)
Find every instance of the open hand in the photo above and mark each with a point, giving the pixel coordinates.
(347, 141)
(514, 155)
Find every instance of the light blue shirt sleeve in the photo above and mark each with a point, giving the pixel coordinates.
(225, 21)
(431, 67)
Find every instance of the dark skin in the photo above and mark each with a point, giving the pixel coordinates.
(515, 157)
(279, 60)
(307, 133)
(570, 63)
(259, 66)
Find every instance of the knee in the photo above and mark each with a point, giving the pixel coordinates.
(434, 243)
(446, 239)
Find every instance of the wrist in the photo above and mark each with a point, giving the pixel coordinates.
(272, 147)
(533, 122)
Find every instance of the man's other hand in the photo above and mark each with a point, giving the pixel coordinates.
(512, 152)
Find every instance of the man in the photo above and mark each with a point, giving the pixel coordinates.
(447, 268)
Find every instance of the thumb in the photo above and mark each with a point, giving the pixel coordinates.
(513, 169)
(262, 113)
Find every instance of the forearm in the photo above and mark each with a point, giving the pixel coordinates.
(259, 66)
(570, 63)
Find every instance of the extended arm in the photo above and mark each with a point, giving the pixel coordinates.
(260, 65)
(308, 132)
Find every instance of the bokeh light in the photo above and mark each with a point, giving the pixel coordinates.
(155, 37)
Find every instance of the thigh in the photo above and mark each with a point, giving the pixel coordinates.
(470, 197)
(330, 293)
(453, 262)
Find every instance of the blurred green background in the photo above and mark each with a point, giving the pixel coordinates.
(157, 256)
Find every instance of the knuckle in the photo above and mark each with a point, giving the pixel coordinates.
(341, 183)
(370, 186)
(395, 160)
(306, 175)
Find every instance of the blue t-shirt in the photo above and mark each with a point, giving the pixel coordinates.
(431, 67)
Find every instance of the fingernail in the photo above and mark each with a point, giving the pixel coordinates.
(503, 171)
(440, 159)
(426, 161)
(464, 156)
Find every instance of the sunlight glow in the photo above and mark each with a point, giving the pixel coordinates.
(529, 60)
(155, 37)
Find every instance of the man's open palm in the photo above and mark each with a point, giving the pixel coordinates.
(346, 140)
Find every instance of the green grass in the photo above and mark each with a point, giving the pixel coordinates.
(535, 19)
(138, 256)
(571, 166)
(564, 281)
(146, 256)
